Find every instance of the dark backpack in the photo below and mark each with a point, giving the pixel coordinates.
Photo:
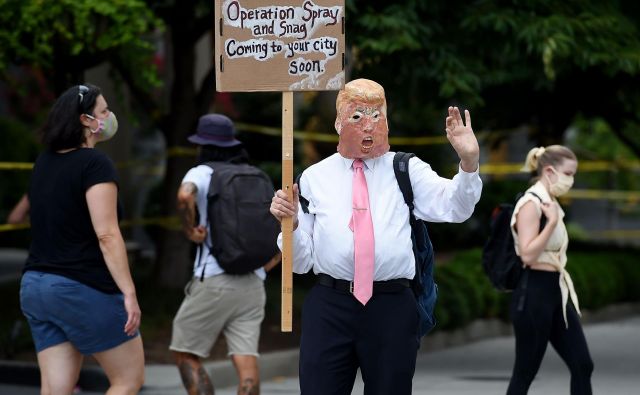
(243, 231)
(499, 259)
(423, 285)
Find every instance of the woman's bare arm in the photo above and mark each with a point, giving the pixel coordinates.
(532, 240)
(102, 201)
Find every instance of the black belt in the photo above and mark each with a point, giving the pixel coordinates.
(395, 285)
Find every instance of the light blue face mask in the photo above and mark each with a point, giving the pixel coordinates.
(106, 127)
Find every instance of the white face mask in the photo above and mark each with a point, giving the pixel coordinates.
(106, 127)
(562, 185)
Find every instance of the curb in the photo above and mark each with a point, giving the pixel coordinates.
(272, 365)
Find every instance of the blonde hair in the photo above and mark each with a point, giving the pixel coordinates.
(364, 90)
(540, 157)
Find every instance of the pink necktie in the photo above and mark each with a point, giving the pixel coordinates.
(362, 227)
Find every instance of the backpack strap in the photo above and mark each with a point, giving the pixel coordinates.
(304, 203)
(401, 170)
(204, 242)
(543, 218)
(524, 282)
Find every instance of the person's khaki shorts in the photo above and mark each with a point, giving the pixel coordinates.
(231, 304)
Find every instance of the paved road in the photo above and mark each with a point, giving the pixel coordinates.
(481, 368)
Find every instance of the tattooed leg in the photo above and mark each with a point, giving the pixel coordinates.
(194, 378)
(248, 375)
(248, 387)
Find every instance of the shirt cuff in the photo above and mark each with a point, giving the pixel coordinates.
(462, 172)
(297, 237)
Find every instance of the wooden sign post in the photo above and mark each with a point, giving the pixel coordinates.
(280, 46)
(286, 308)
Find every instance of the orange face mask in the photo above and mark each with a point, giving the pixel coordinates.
(363, 131)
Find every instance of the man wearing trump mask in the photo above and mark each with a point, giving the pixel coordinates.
(356, 238)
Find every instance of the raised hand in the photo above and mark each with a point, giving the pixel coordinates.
(462, 138)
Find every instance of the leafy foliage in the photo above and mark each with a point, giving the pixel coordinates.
(79, 33)
(540, 62)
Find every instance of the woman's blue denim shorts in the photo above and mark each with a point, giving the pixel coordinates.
(60, 310)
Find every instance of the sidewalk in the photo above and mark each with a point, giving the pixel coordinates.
(480, 368)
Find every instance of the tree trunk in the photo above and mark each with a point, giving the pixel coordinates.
(174, 262)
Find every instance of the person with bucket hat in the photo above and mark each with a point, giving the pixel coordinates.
(215, 300)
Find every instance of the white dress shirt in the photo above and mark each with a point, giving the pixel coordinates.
(323, 240)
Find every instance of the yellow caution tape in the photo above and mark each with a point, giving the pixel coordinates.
(608, 166)
(602, 194)
(171, 223)
(586, 166)
(333, 138)
(487, 168)
(8, 227)
(500, 168)
(16, 166)
(617, 234)
(181, 151)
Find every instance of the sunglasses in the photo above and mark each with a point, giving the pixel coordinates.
(82, 90)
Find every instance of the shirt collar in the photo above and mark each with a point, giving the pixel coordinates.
(368, 163)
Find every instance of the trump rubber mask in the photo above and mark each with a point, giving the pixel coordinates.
(361, 120)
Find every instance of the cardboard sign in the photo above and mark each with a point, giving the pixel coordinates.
(292, 45)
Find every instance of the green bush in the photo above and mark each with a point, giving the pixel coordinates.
(601, 276)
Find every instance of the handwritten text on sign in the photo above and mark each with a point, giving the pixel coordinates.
(298, 46)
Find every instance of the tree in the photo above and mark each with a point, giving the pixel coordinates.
(67, 37)
(73, 36)
(537, 62)
(513, 62)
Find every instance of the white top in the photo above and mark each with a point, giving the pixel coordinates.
(555, 251)
(200, 176)
(323, 240)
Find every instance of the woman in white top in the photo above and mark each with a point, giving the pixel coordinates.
(546, 314)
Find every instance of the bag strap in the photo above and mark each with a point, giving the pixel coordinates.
(213, 166)
(401, 170)
(524, 282)
(543, 218)
(304, 203)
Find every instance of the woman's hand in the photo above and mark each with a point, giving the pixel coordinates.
(551, 211)
(133, 314)
(281, 207)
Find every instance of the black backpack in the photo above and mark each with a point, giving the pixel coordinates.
(424, 287)
(499, 259)
(243, 231)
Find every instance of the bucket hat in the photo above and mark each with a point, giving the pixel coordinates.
(215, 129)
